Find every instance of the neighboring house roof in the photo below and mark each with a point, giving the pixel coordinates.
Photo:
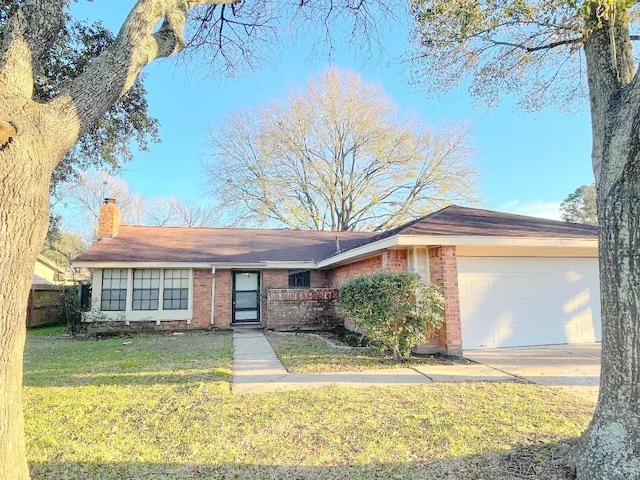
(232, 245)
(222, 245)
(455, 220)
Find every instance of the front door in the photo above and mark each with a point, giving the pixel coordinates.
(246, 297)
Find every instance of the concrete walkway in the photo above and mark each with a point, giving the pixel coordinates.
(256, 369)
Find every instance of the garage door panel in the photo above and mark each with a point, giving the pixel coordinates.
(533, 285)
(528, 301)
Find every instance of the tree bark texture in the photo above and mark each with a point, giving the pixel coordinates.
(24, 207)
(610, 448)
(33, 139)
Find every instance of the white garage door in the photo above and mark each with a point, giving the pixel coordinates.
(510, 302)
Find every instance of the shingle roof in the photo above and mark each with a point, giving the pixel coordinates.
(455, 220)
(211, 245)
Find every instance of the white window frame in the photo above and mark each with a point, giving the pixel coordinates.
(130, 315)
(421, 267)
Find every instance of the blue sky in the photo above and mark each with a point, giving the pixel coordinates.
(529, 162)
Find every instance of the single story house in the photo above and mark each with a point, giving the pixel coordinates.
(508, 280)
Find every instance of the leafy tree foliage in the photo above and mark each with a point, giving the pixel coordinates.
(337, 156)
(580, 206)
(394, 309)
(108, 142)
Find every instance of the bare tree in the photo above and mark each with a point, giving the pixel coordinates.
(36, 133)
(171, 211)
(337, 156)
(550, 51)
(84, 195)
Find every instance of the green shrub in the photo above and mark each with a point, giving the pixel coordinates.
(69, 311)
(394, 309)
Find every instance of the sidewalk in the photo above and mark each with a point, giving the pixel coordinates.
(256, 369)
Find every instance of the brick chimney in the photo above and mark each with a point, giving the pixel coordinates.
(109, 219)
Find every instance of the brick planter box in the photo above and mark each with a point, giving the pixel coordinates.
(308, 308)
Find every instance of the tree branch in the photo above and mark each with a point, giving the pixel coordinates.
(27, 39)
(113, 73)
(547, 46)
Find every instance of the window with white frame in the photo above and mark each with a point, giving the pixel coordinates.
(146, 289)
(114, 289)
(175, 295)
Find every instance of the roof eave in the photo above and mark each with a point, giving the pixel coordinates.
(453, 240)
(222, 265)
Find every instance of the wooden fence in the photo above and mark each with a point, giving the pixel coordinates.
(42, 308)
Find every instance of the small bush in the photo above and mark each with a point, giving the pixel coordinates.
(69, 309)
(395, 309)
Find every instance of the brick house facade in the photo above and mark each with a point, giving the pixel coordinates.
(179, 278)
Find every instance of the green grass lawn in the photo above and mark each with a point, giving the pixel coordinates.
(305, 353)
(160, 408)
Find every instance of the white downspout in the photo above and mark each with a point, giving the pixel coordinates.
(213, 292)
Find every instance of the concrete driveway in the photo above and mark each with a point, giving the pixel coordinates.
(572, 368)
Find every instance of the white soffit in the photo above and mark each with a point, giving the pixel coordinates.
(427, 240)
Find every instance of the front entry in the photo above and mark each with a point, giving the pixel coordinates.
(246, 297)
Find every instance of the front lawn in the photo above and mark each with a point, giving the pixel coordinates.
(306, 353)
(54, 359)
(160, 408)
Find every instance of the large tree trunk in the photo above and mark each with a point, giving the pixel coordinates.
(610, 447)
(24, 188)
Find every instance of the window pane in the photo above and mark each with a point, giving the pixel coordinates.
(114, 289)
(300, 279)
(250, 315)
(246, 281)
(175, 299)
(246, 300)
(146, 291)
(175, 289)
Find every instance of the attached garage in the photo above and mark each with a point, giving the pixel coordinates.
(516, 301)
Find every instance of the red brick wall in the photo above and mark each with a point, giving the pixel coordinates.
(274, 279)
(222, 314)
(319, 279)
(394, 261)
(387, 261)
(270, 279)
(444, 273)
(202, 298)
(340, 275)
